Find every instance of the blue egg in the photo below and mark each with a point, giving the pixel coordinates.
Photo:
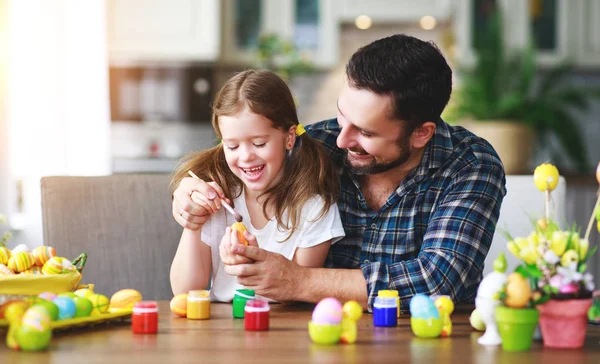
(66, 307)
(421, 306)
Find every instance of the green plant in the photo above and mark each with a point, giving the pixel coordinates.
(282, 57)
(502, 86)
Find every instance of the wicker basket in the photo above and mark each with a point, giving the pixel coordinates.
(20, 286)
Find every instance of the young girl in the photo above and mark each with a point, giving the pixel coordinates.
(277, 177)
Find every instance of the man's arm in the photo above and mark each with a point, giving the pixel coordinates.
(274, 276)
(455, 244)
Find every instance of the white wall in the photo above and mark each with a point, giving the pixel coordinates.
(58, 108)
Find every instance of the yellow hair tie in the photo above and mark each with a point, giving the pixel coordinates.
(300, 130)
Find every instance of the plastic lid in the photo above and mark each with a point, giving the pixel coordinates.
(245, 293)
(146, 304)
(199, 293)
(257, 306)
(387, 293)
(385, 302)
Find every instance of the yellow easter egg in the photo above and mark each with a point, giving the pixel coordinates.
(20, 262)
(545, 177)
(5, 271)
(178, 305)
(240, 228)
(84, 292)
(99, 302)
(42, 254)
(124, 299)
(54, 265)
(4, 255)
(33, 270)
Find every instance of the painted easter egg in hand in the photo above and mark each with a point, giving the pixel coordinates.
(328, 312)
(42, 254)
(240, 228)
(178, 305)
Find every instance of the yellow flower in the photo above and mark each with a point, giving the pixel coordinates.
(545, 177)
(569, 257)
(521, 243)
(530, 255)
(559, 241)
(513, 248)
(533, 239)
(584, 245)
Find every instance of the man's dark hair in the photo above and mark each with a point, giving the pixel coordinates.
(413, 72)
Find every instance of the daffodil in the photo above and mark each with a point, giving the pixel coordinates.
(584, 245)
(529, 254)
(559, 241)
(514, 249)
(570, 257)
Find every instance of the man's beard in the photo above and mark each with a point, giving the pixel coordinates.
(375, 168)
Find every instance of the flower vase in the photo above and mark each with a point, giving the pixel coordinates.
(516, 327)
(564, 322)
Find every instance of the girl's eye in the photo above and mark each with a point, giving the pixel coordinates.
(260, 145)
(232, 147)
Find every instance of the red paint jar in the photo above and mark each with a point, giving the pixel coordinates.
(144, 319)
(256, 315)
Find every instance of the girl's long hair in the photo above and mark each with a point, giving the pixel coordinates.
(307, 170)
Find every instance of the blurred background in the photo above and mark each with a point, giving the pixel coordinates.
(101, 87)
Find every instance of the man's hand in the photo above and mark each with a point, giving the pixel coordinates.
(229, 240)
(271, 275)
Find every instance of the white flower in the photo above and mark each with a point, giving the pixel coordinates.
(569, 273)
(588, 279)
(551, 258)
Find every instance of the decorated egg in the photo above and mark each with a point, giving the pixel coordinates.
(5, 271)
(20, 248)
(99, 302)
(83, 306)
(19, 262)
(328, 311)
(36, 318)
(33, 270)
(71, 295)
(66, 307)
(50, 308)
(240, 228)
(57, 265)
(125, 299)
(48, 296)
(84, 292)
(545, 177)
(15, 311)
(179, 305)
(421, 306)
(4, 255)
(42, 254)
(29, 339)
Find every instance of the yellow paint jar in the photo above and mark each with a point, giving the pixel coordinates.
(391, 293)
(198, 305)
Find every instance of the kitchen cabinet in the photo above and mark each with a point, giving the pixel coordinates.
(312, 25)
(163, 30)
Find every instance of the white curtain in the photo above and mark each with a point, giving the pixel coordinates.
(57, 100)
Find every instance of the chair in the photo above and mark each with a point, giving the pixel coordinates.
(523, 201)
(122, 222)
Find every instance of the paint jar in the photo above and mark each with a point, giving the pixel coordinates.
(256, 316)
(198, 305)
(385, 312)
(144, 319)
(240, 298)
(391, 293)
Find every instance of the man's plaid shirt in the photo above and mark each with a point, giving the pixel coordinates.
(433, 233)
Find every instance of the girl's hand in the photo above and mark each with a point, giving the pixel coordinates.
(194, 201)
(229, 240)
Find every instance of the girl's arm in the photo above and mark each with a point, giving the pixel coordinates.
(313, 257)
(192, 264)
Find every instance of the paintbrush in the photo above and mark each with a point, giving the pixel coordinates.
(228, 207)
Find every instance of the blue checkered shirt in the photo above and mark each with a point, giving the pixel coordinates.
(434, 231)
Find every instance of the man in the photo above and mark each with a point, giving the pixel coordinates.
(419, 201)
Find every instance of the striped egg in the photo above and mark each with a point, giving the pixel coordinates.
(20, 261)
(5, 271)
(41, 254)
(4, 255)
(33, 270)
(54, 265)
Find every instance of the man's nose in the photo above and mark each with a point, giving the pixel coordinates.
(345, 139)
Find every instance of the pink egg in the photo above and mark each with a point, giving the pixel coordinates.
(328, 312)
(48, 296)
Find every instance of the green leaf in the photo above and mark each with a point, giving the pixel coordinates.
(590, 253)
(522, 270)
(582, 268)
(534, 271)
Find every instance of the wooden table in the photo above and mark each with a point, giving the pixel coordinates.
(223, 339)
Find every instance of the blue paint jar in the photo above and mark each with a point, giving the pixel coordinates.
(385, 312)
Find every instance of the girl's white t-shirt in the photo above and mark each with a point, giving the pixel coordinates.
(311, 232)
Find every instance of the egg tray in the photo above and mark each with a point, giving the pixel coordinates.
(84, 322)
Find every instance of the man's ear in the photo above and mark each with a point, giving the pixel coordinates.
(421, 135)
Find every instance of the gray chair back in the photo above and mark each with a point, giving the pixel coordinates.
(122, 222)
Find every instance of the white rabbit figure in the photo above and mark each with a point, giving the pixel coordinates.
(487, 300)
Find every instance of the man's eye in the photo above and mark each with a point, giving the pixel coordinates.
(366, 135)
